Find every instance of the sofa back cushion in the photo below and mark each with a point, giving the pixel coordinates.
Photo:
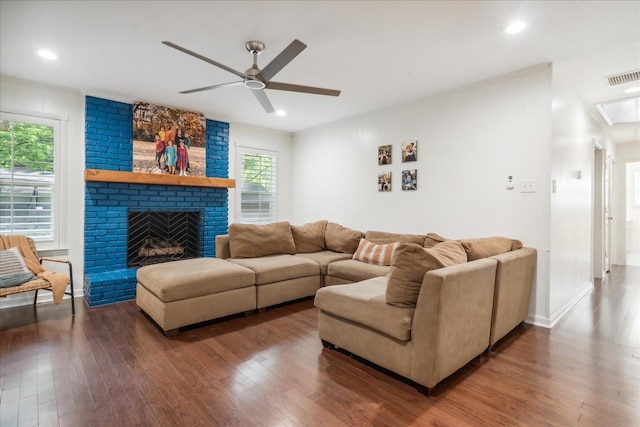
(432, 239)
(478, 248)
(488, 246)
(250, 241)
(372, 253)
(341, 239)
(382, 237)
(411, 262)
(309, 237)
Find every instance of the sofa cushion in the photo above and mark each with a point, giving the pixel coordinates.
(433, 239)
(191, 278)
(372, 253)
(341, 239)
(309, 237)
(324, 258)
(410, 263)
(516, 244)
(382, 237)
(364, 303)
(355, 271)
(276, 268)
(486, 247)
(250, 241)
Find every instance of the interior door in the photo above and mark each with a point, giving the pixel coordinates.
(607, 215)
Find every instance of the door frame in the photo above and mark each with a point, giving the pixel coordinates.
(601, 204)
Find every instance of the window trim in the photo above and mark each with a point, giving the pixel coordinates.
(58, 124)
(240, 152)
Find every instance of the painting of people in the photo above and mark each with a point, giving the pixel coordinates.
(168, 140)
(409, 180)
(384, 181)
(384, 155)
(410, 151)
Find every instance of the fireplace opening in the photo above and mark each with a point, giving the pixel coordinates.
(154, 237)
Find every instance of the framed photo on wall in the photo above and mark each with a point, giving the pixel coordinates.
(409, 180)
(410, 151)
(384, 155)
(384, 181)
(168, 140)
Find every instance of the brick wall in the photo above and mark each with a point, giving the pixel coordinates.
(109, 146)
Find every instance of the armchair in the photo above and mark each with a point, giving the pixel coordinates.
(44, 279)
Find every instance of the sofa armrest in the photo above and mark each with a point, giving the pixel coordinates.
(452, 321)
(222, 246)
(514, 279)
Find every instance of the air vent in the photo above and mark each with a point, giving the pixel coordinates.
(618, 79)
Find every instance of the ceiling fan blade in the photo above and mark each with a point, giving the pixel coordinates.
(200, 89)
(261, 96)
(304, 89)
(283, 58)
(203, 58)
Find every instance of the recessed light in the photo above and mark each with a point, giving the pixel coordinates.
(634, 89)
(281, 113)
(47, 54)
(516, 27)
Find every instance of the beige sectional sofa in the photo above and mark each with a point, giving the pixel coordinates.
(421, 306)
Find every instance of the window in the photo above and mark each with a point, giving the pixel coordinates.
(258, 195)
(28, 184)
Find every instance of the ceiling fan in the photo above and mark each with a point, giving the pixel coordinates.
(256, 79)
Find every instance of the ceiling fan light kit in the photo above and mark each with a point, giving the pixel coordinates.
(256, 79)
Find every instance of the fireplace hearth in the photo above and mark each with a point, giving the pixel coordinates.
(154, 237)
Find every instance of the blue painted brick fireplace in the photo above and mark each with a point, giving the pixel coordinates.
(109, 145)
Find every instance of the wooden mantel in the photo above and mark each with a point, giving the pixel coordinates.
(98, 175)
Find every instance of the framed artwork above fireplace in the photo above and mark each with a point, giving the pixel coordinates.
(168, 141)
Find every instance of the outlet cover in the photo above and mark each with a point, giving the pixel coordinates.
(527, 185)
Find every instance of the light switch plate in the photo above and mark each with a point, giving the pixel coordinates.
(510, 183)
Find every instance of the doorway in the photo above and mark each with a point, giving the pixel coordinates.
(601, 211)
(632, 223)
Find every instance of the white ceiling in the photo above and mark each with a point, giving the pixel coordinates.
(380, 53)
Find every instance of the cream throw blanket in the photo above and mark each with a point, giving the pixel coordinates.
(58, 281)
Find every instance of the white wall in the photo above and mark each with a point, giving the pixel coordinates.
(469, 142)
(28, 98)
(262, 139)
(572, 216)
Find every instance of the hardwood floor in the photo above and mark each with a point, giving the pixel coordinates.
(110, 366)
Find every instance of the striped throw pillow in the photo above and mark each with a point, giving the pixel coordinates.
(14, 271)
(372, 253)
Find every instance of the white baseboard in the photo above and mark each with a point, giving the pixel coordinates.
(561, 311)
(538, 321)
(26, 298)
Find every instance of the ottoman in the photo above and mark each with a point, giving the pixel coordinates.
(185, 292)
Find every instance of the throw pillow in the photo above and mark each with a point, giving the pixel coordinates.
(250, 241)
(309, 237)
(411, 262)
(342, 239)
(486, 247)
(375, 254)
(14, 271)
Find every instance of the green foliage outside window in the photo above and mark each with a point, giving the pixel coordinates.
(32, 146)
